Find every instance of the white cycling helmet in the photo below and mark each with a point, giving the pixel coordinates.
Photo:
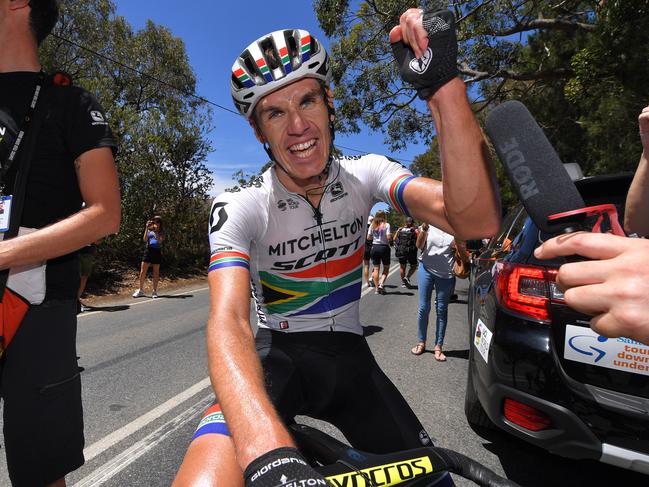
(276, 60)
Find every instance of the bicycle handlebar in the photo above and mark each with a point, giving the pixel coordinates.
(462, 465)
(346, 466)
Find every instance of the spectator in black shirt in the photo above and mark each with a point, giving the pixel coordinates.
(72, 162)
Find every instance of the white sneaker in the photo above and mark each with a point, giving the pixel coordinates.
(154, 295)
(138, 294)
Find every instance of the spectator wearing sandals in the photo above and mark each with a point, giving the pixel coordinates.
(435, 272)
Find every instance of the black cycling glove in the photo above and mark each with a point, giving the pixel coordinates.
(438, 65)
(282, 466)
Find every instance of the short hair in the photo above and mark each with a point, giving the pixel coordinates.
(43, 17)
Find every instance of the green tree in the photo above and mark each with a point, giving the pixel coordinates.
(145, 83)
(245, 179)
(580, 66)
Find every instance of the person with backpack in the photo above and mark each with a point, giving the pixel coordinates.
(405, 248)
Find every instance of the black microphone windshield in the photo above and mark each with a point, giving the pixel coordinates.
(532, 165)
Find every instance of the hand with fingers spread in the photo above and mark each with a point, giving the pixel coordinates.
(613, 287)
(425, 49)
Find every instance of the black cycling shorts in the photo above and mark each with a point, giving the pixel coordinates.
(368, 250)
(333, 376)
(409, 258)
(41, 389)
(381, 254)
(152, 255)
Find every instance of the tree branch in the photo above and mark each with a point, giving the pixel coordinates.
(545, 24)
(548, 74)
(396, 108)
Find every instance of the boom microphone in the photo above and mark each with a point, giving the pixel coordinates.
(532, 165)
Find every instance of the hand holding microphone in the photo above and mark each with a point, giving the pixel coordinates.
(613, 285)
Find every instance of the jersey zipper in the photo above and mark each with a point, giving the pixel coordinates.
(317, 214)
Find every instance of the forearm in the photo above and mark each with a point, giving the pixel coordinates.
(237, 379)
(63, 237)
(470, 199)
(421, 239)
(636, 216)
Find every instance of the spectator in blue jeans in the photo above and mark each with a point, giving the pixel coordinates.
(435, 272)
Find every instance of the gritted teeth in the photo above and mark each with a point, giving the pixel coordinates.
(303, 146)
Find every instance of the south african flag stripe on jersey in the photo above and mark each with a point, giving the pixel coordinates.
(219, 260)
(396, 193)
(286, 60)
(305, 48)
(241, 75)
(324, 287)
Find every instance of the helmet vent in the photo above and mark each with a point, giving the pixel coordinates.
(291, 45)
(270, 53)
(252, 68)
(236, 82)
(314, 45)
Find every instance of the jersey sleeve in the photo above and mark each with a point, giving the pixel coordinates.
(233, 226)
(388, 181)
(86, 125)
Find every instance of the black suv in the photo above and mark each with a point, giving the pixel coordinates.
(536, 369)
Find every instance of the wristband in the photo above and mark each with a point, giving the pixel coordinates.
(282, 466)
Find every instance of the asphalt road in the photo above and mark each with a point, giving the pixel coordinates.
(145, 385)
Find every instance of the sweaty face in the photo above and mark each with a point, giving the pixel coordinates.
(295, 122)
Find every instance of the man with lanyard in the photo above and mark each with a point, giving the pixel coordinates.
(405, 248)
(298, 237)
(70, 161)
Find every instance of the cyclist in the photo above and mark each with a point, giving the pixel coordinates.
(297, 235)
(405, 248)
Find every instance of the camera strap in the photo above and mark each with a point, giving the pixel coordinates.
(24, 128)
(28, 134)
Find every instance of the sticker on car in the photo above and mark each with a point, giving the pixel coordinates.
(585, 346)
(482, 339)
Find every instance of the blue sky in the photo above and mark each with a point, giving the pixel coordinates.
(215, 32)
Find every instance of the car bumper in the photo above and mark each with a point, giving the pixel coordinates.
(521, 367)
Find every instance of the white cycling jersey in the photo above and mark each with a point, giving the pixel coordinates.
(305, 263)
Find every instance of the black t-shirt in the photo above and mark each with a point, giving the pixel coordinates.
(74, 123)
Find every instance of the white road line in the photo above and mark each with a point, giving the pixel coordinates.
(370, 289)
(128, 456)
(125, 431)
(135, 303)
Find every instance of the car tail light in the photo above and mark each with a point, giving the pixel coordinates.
(527, 290)
(526, 416)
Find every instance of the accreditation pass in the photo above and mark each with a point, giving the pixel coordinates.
(5, 212)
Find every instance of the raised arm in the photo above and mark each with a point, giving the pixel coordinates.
(636, 218)
(466, 204)
(235, 369)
